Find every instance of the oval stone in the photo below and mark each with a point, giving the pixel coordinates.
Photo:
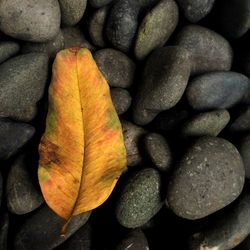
(7, 50)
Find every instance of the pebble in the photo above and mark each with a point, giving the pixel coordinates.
(41, 230)
(207, 123)
(161, 89)
(234, 17)
(156, 28)
(121, 100)
(13, 136)
(159, 151)
(4, 227)
(210, 51)
(244, 149)
(7, 50)
(208, 177)
(217, 90)
(195, 10)
(72, 11)
(19, 89)
(50, 48)
(99, 3)
(242, 122)
(228, 231)
(132, 135)
(140, 198)
(30, 20)
(134, 240)
(117, 67)
(22, 196)
(96, 26)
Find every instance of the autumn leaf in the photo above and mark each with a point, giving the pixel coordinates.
(82, 152)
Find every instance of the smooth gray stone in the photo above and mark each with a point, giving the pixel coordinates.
(242, 122)
(121, 99)
(41, 231)
(30, 20)
(22, 196)
(72, 11)
(140, 198)
(207, 123)
(4, 228)
(209, 50)
(22, 82)
(99, 3)
(195, 10)
(244, 149)
(218, 90)
(117, 67)
(164, 81)
(208, 177)
(156, 28)
(13, 136)
(8, 49)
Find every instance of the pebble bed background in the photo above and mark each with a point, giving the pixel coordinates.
(178, 72)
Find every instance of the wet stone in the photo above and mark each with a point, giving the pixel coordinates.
(121, 99)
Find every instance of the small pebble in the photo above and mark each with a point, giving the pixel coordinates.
(4, 228)
(159, 151)
(210, 51)
(140, 198)
(208, 177)
(121, 99)
(30, 20)
(7, 50)
(244, 149)
(242, 122)
(13, 136)
(207, 123)
(117, 67)
(217, 90)
(99, 3)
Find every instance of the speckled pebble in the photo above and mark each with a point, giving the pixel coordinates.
(121, 99)
(244, 149)
(7, 50)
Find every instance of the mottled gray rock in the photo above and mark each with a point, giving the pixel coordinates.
(207, 123)
(132, 135)
(96, 26)
(229, 230)
(244, 149)
(135, 240)
(208, 177)
(156, 28)
(41, 231)
(234, 17)
(140, 198)
(164, 81)
(22, 196)
(217, 90)
(242, 122)
(72, 11)
(50, 48)
(22, 83)
(117, 67)
(159, 151)
(30, 20)
(121, 100)
(13, 136)
(4, 227)
(99, 3)
(7, 50)
(195, 10)
(209, 50)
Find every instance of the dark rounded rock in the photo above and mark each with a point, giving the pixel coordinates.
(4, 228)
(164, 81)
(96, 26)
(195, 10)
(134, 240)
(209, 50)
(13, 136)
(217, 90)
(242, 121)
(140, 198)
(158, 151)
(207, 123)
(208, 177)
(132, 135)
(22, 196)
(244, 149)
(7, 50)
(30, 20)
(72, 11)
(22, 83)
(156, 28)
(41, 231)
(99, 3)
(117, 67)
(121, 100)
